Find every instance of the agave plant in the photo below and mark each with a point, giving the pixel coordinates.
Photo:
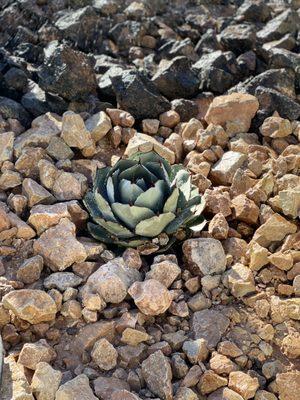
(143, 200)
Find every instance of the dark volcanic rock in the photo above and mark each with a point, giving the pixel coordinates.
(254, 10)
(11, 109)
(138, 95)
(238, 38)
(286, 22)
(176, 79)
(187, 109)
(68, 73)
(127, 34)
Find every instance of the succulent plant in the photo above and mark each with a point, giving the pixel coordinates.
(143, 200)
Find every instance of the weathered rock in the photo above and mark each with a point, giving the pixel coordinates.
(43, 217)
(133, 337)
(285, 22)
(209, 325)
(221, 364)
(106, 387)
(144, 143)
(282, 310)
(209, 382)
(6, 146)
(157, 373)
(223, 171)
(104, 354)
(59, 150)
(30, 270)
(165, 272)
(59, 247)
(276, 127)
(62, 281)
(34, 306)
(112, 281)
(35, 193)
(240, 280)
(76, 389)
(33, 353)
(150, 296)
(234, 112)
(243, 384)
(98, 125)
(74, 132)
(288, 384)
(45, 381)
(204, 256)
(196, 350)
(245, 209)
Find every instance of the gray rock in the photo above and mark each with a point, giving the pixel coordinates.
(209, 325)
(62, 281)
(204, 256)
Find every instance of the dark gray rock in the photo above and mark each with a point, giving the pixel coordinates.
(238, 38)
(127, 34)
(35, 100)
(176, 79)
(11, 109)
(67, 73)
(17, 79)
(254, 11)
(105, 81)
(286, 22)
(209, 325)
(187, 109)
(138, 95)
(281, 58)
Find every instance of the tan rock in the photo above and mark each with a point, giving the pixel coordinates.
(124, 395)
(98, 125)
(291, 345)
(276, 127)
(288, 384)
(289, 201)
(264, 395)
(76, 389)
(59, 247)
(190, 129)
(74, 132)
(112, 280)
(6, 146)
(218, 227)
(274, 229)
(258, 256)
(196, 350)
(45, 381)
(174, 143)
(165, 272)
(282, 310)
(283, 261)
(243, 384)
(217, 201)
(104, 355)
(120, 117)
(35, 193)
(43, 217)
(10, 179)
(245, 209)
(150, 296)
(233, 112)
(33, 353)
(229, 349)
(30, 270)
(133, 337)
(150, 126)
(169, 118)
(4, 220)
(223, 171)
(210, 381)
(107, 387)
(24, 231)
(69, 186)
(222, 365)
(145, 143)
(34, 306)
(241, 280)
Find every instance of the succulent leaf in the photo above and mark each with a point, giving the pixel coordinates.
(131, 215)
(154, 226)
(129, 192)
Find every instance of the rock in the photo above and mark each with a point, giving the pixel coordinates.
(98, 125)
(185, 394)
(105, 388)
(130, 85)
(59, 247)
(10, 179)
(276, 127)
(45, 381)
(224, 394)
(34, 353)
(221, 364)
(165, 272)
(124, 395)
(204, 256)
(35, 193)
(240, 280)
(12, 109)
(104, 355)
(264, 395)
(133, 337)
(285, 22)
(209, 382)
(258, 256)
(223, 171)
(24, 231)
(233, 112)
(291, 345)
(74, 132)
(112, 281)
(4, 220)
(30, 270)
(209, 325)
(176, 78)
(283, 261)
(43, 217)
(243, 384)
(150, 296)
(62, 281)
(238, 38)
(288, 384)
(144, 143)
(245, 209)
(132, 258)
(273, 230)
(196, 350)
(169, 118)
(27, 163)
(68, 73)
(6, 146)
(76, 389)
(150, 126)
(282, 310)
(157, 373)
(69, 186)
(59, 150)
(34, 306)
(14, 381)
(218, 227)
(290, 202)
(199, 302)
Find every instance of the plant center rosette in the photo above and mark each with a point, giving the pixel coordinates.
(144, 202)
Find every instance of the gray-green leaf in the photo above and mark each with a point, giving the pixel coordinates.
(131, 215)
(154, 226)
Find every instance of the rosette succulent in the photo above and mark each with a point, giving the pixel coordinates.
(143, 200)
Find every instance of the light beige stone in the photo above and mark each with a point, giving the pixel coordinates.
(243, 384)
(104, 354)
(76, 389)
(45, 381)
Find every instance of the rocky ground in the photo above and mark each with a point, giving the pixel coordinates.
(214, 85)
